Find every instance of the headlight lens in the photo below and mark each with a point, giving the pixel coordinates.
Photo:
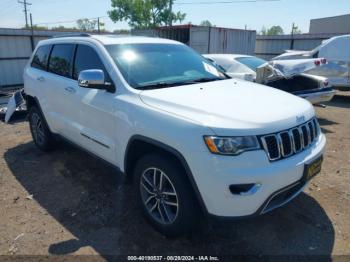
(231, 145)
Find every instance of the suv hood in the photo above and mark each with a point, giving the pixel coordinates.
(232, 107)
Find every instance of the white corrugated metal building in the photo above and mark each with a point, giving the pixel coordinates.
(334, 25)
(206, 39)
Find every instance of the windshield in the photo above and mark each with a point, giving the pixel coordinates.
(252, 62)
(161, 65)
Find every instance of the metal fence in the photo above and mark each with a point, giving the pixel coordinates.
(268, 47)
(16, 46)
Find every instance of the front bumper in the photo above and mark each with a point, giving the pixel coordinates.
(214, 174)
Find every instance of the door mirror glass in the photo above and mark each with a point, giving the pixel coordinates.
(94, 79)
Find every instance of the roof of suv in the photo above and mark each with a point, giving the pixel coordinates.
(113, 39)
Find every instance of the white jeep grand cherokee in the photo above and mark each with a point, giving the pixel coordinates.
(193, 141)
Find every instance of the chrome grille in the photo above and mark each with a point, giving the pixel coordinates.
(290, 142)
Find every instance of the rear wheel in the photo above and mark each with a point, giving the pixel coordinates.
(165, 195)
(41, 134)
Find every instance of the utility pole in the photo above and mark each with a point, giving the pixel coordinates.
(171, 2)
(292, 34)
(25, 10)
(32, 32)
(98, 25)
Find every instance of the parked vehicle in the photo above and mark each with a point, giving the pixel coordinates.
(284, 75)
(193, 141)
(336, 51)
(12, 102)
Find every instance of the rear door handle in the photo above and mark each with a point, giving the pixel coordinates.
(40, 78)
(70, 89)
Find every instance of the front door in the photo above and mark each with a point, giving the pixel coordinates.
(94, 113)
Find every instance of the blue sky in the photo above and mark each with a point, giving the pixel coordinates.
(254, 14)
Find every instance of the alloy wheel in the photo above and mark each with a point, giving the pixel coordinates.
(159, 196)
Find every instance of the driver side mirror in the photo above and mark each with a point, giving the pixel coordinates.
(94, 79)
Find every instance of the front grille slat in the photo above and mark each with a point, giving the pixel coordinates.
(312, 130)
(298, 145)
(287, 143)
(272, 147)
(305, 136)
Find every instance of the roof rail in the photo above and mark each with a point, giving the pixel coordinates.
(73, 35)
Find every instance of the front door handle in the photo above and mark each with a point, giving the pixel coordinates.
(70, 89)
(40, 78)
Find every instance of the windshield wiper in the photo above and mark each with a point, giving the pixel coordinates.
(180, 83)
(204, 80)
(157, 85)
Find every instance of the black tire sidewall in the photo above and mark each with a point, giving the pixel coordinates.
(48, 140)
(188, 208)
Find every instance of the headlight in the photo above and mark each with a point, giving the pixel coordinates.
(231, 145)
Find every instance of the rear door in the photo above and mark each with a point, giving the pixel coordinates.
(60, 89)
(36, 78)
(94, 109)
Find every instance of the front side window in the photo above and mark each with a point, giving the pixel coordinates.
(161, 65)
(86, 58)
(61, 59)
(41, 57)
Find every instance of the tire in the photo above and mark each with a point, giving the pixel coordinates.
(159, 205)
(41, 134)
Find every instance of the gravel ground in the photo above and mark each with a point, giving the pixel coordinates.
(67, 202)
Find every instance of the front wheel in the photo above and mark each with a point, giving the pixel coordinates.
(41, 134)
(165, 195)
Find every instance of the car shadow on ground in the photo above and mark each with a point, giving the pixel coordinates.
(89, 199)
(17, 117)
(340, 100)
(324, 123)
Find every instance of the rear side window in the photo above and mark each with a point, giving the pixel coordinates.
(61, 59)
(40, 58)
(86, 58)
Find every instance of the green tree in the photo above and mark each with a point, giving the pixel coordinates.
(273, 30)
(121, 32)
(263, 31)
(63, 28)
(142, 14)
(102, 26)
(86, 24)
(206, 23)
(36, 27)
(296, 30)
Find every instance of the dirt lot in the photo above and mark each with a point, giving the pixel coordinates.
(67, 202)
